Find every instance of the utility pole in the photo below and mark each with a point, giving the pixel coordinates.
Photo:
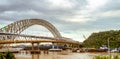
(108, 48)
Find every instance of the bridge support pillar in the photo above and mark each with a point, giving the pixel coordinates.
(39, 52)
(38, 48)
(78, 46)
(71, 45)
(32, 51)
(32, 46)
(53, 45)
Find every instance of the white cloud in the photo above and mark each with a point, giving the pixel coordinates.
(61, 4)
(85, 14)
(113, 13)
(77, 18)
(19, 13)
(94, 4)
(4, 2)
(77, 35)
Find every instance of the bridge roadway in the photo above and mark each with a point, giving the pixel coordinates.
(4, 39)
(37, 41)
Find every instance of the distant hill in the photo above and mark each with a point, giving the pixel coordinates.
(96, 40)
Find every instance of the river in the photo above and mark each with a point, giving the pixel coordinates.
(57, 55)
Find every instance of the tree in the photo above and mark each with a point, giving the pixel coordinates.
(2, 56)
(96, 40)
(9, 55)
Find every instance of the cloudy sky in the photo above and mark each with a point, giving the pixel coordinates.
(73, 18)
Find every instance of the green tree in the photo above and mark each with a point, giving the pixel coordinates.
(96, 40)
(9, 55)
(2, 56)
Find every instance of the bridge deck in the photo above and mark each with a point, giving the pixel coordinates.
(6, 38)
(36, 41)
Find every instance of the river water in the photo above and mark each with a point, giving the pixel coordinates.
(56, 55)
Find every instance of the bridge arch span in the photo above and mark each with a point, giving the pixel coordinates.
(19, 26)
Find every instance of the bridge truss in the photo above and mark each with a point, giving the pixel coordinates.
(12, 33)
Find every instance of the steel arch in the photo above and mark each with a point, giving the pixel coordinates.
(19, 26)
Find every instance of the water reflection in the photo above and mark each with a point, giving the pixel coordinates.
(35, 56)
(54, 55)
(43, 55)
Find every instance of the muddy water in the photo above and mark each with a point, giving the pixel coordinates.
(58, 55)
(54, 55)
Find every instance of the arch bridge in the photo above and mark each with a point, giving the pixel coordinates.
(11, 33)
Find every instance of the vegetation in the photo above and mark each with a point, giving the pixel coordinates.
(2, 56)
(107, 57)
(7, 55)
(96, 40)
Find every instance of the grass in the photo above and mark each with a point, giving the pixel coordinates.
(106, 57)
